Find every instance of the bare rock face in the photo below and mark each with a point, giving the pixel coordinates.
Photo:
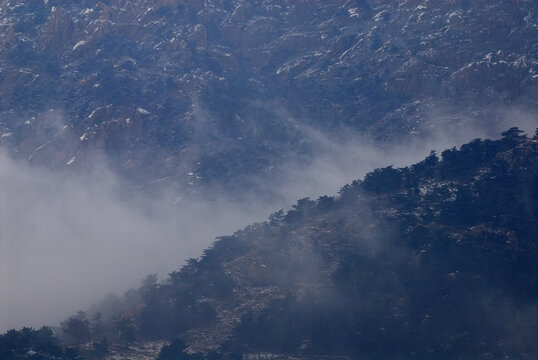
(197, 5)
(9, 38)
(413, 77)
(362, 64)
(241, 14)
(166, 3)
(199, 35)
(57, 32)
(10, 81)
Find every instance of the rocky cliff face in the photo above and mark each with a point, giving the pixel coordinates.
(179, 87)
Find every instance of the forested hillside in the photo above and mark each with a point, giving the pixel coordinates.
(432, 261)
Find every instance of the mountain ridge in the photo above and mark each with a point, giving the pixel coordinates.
(175, 87)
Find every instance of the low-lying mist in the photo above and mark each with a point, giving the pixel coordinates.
(345, 155)
(67, 241)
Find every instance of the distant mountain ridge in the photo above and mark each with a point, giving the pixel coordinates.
(195, 92)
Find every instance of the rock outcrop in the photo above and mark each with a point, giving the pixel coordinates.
(359, 64)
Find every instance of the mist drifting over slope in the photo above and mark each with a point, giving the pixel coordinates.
(66, 242)
(345, 155)
(69, 239)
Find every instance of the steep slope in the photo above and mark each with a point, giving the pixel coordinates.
(200, 91)
(432, 261)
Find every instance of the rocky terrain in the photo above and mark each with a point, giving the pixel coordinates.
(193, 92)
